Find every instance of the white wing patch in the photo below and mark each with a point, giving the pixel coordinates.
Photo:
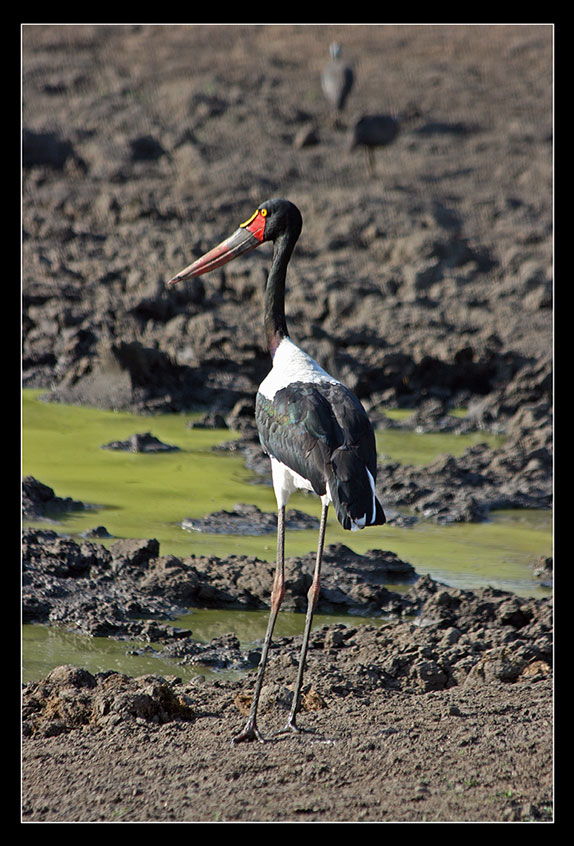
(292, 364)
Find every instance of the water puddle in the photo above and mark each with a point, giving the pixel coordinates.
(148, 495)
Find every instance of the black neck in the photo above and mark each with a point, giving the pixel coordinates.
(274, 317)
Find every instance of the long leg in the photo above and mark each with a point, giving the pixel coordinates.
(369, 161)
(250, 731)
(312, 597)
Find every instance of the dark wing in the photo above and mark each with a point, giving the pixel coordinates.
(322, 432)
(353, 421)
(351, 489)
(298, 428)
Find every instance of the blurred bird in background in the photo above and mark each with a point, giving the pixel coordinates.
(337, 79)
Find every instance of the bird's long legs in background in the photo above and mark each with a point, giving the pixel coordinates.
(370, 161)
(250, 731)
(312, 597)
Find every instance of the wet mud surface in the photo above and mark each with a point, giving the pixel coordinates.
(426, 287)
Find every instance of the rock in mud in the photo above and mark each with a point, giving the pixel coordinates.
(247, 519)
(70, 697)
(40, 502)
(96, 532)
(141, 442)
(544, 570)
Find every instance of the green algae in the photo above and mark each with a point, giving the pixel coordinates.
(132, 494)
(421, 448)
(148, 495)
(46, 647)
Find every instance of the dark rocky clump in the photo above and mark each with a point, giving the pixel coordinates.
(141, 442)
(123, 590)
(69, 698)
(99, 590)
(246, 519)
(40, 502)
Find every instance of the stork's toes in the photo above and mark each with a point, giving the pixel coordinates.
(250, 732)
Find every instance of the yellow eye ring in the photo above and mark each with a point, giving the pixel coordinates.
(262, 212)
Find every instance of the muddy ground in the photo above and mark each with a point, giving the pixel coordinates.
(442, 712)
(427, 286)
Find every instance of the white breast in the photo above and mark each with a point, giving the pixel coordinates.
(292, 364)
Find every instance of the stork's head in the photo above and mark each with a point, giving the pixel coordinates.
(270, 221)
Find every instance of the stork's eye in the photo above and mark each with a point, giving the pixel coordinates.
(262, 212)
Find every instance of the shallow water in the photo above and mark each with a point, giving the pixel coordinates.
(147, 495)
(46, 647)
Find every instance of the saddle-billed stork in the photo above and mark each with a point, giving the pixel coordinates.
(315, 431)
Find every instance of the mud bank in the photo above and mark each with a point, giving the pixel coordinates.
(442, 712)
(467, 673)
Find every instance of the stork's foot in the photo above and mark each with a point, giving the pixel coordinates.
(250, 732)
(291, 727)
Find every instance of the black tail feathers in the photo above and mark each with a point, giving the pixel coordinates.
(352, 490)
